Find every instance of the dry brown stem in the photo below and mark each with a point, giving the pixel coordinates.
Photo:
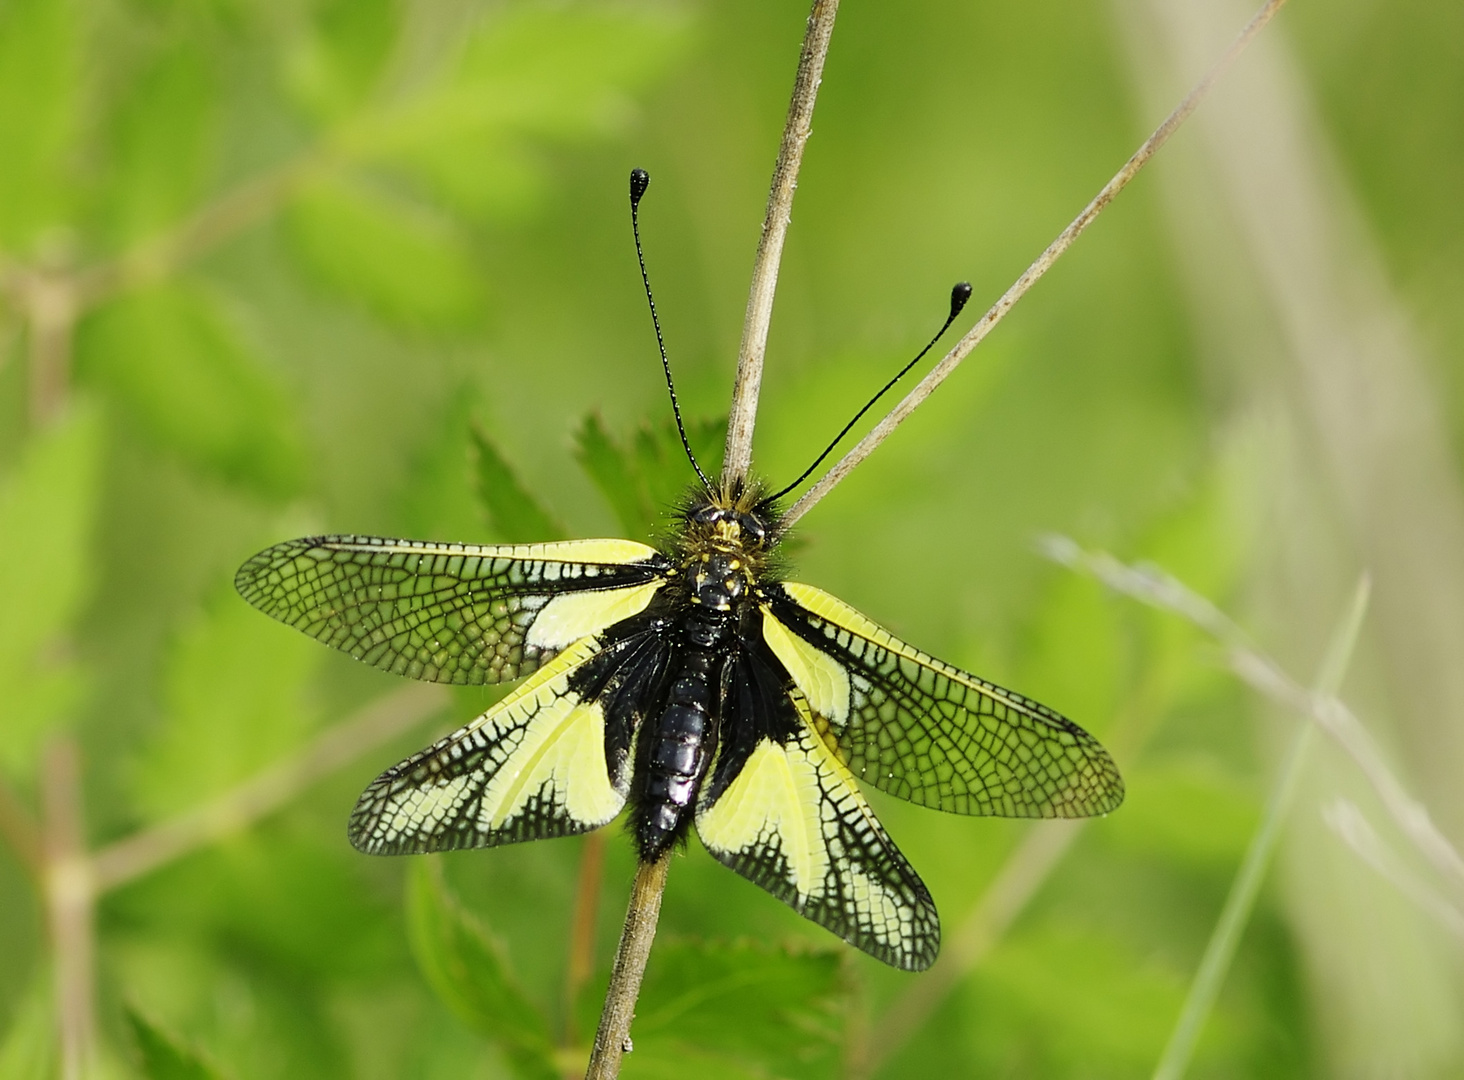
(612, 1040)
(384, 719)
(1264, 675)
(20, 830)
(796, 130)
(1044, 262)
(581, 963)
(70, 898)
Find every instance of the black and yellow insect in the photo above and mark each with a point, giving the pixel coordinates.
(692, 682)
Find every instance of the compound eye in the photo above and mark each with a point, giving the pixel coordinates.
(707, 515)
(752, 528)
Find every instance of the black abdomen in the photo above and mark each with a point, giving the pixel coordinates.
(676, 747)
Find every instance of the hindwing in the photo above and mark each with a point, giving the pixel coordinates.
(780, 808)
(551, 759)
(451, 613)
(928, 732)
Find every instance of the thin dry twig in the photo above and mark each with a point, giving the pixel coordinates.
(1023, 873)
(796, 130)
(70, 896)
(586, 913)
(20, 830)
(1044, 262)
(1261, 673)
(267, 791)
(1345, 819)
(235, 210)
(1225, 938)
(612, 1040)
(51, 306)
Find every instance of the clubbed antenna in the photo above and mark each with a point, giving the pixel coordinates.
(639, 181)
(959, 295)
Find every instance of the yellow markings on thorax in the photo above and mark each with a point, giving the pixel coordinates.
(569, 617)
(823, 680)
(776, 801)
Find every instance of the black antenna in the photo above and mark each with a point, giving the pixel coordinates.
(959, 295)
(639, 181)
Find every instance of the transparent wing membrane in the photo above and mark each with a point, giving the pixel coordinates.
(783, 811)
(450, 613)
(928, 732)
(533, 766)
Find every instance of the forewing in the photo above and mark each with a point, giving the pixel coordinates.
(451, 613)
(551, 759)
(926, 731)
(781, 809)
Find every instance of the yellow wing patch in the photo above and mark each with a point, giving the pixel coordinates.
(923, 730)
(570, 616)
(451, 613)
(823, 680)
(773, 804)
(612, 552)
(532, 766)
(562, 755)
(794, 822)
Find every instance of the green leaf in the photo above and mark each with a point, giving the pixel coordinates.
(29, 1049)
(1188, 811)
(162, 1057)
(527, 70)
(470, 973)
(615, 475)
(645, 484)
(440, 498)
(398, 258)
(513, 512)
(1076, 1001)
(187, 377)
(334, 67)
(740, 1009)
(161, 141)
(47, 513)
(662, 459)
(236, 695)
(40, 57)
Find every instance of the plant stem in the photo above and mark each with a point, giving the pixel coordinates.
(1264, 675)
(153, 259)
(796, 130)
(582, 928)
(70, 895)
(144, 851)
(1225, 939)
(51, 308)
(612, 1040)
(1044, 262)
(1021, 875)
(20, 830)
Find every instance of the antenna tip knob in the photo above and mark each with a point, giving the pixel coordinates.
(959, 295)
(639, 181)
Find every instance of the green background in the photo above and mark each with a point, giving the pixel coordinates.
(271, 267)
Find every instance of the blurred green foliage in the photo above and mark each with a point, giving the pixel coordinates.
(277, 266)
